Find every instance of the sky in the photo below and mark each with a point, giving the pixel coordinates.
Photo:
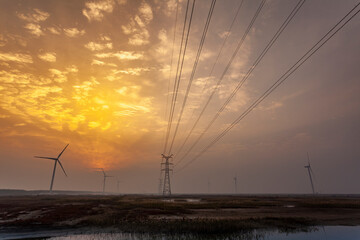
(99, 76)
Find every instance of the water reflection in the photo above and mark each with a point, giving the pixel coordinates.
(326, 233)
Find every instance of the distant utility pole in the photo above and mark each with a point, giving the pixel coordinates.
(166, 169)
(235, 184)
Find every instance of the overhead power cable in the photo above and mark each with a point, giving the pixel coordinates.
(170, 72)
(171, 60)
(334, 30)
(228, 33)
(213, 67)
(179, 70)
(224, 73)
(202, 41)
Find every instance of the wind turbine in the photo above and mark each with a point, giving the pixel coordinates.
(56, 161)
(117, 185)
(105, 176)
(310, 171)
(208, 183)
(235, 184)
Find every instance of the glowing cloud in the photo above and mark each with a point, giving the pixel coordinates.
(137, 27)
(122, 55)
(35, 17)
(98, 46)
(73, 32)
(34, 29)
(16, 57)
(48, 57)
(94, 11)
(54, 30)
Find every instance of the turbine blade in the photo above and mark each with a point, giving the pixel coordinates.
(63, 150)
(45, 157)
(62, 167)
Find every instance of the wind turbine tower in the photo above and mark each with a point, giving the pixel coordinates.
(105, 176)
(55, 163)
(208, 185)
(235, 184)
(166, 168)
(310, 171)
(118, 185)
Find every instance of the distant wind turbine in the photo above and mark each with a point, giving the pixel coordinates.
(105, 176)
(117, 185)
(56, 161)
(208, 185)
(310, 171)
(235, 184)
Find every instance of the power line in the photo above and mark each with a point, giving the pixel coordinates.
(171, 61)
(222, 76)
(182, 64)
(170, 72)
(223, 44)
(176, 79)
(202, 41)
(212, 69)
(280, 80)
(247, 75)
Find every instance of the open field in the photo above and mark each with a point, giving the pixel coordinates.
(178, 214)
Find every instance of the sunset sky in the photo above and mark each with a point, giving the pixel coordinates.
(95, 74)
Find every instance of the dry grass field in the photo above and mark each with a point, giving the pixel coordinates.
(178, 214)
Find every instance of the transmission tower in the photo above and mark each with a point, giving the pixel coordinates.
(166, 169)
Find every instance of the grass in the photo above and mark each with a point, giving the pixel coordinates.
(149, 214)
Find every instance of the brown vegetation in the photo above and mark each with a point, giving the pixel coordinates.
(181, 214)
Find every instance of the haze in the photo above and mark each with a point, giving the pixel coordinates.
(95, 74)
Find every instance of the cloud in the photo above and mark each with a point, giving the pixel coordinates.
(16, 57)
(72, 69)
(94, 11)
(33, 20)
(48, 57)
(57, 75)
(131, 71)
(35, 17)
(98, 46)
(34, 29)
(15, 76)
(3, 40)
(224, 34)
(137, 27)
(54, 30)
(73, 32)
(140, 38)
(121, 55)
(101, 63)
(146, 12)
(61, 76)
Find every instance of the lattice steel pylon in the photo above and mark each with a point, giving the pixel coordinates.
(166, 169)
